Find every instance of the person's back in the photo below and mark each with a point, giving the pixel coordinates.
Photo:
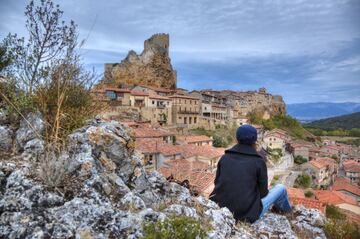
(241, 182)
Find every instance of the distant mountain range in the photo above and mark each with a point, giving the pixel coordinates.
(306, 112)
(346, 122)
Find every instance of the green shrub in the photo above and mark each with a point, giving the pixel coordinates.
(334, 156)
(275, 154)
(335, 229)
(303, 181)
(175, 227)
(300, 160)
(333, 212)
(355, 142)
(276, 177)
(355, 132)
(337, 226)
(71, 113)
(15, 102)
(219, 141)
(285, 122)
(308, 194)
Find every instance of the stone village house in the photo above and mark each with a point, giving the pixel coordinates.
(322, 170)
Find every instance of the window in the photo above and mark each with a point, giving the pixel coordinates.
(190, 120)
(185, 120)
(150, 160)
(195, 118)
(111, 95)
(153, 102)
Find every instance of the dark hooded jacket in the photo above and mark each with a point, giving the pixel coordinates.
(241, 181)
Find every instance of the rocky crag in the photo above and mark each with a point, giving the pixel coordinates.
(103, 191)
(152, 67)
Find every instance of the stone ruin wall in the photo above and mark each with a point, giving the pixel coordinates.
(152, 67)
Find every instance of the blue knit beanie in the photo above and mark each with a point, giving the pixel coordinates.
(246, 134)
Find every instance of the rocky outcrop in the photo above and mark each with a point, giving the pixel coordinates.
(31, 128)
(106, 193)
(308, 222)
(5, 138)
(152, 67)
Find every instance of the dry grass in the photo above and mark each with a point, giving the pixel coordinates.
(54, 167)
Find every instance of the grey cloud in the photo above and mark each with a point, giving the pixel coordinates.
(283, 45)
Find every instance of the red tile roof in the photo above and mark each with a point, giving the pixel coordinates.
(308, 203)
(295, 192)
(195, 171)
(152, 146)
(300, 145)
(159, 97)
(193, 138)
(322, 162)
(343, 184)
(148, 131)
(351, 166)
(120, 90)
(277, 133)
(334, 197)
(190, 150)
(184, 97)
(218, 106)
(139, 93)
(182, 167)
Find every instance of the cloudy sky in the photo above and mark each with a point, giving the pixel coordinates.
(305, 50)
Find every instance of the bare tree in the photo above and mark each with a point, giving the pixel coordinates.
(5, 59)
(47, 64)
(49, 39)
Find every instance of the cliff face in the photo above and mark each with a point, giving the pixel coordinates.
(152, 67)
(277, 105)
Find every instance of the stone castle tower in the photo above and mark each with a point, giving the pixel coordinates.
(158, 41)
(152, 67)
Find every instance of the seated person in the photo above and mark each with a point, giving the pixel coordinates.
(241, 182)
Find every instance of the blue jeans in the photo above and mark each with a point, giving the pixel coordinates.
(278, 197)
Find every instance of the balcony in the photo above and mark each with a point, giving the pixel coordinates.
(161, 106)
(162, 120)
(139, 104)
(187, 111)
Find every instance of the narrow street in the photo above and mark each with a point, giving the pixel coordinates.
(283, 170)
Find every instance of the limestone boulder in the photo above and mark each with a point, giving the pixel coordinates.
(6, 135)
(31, 127)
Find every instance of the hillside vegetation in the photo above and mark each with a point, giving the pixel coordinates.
(346, 125)
(345, 122)
(284, 122)
(223, 135)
